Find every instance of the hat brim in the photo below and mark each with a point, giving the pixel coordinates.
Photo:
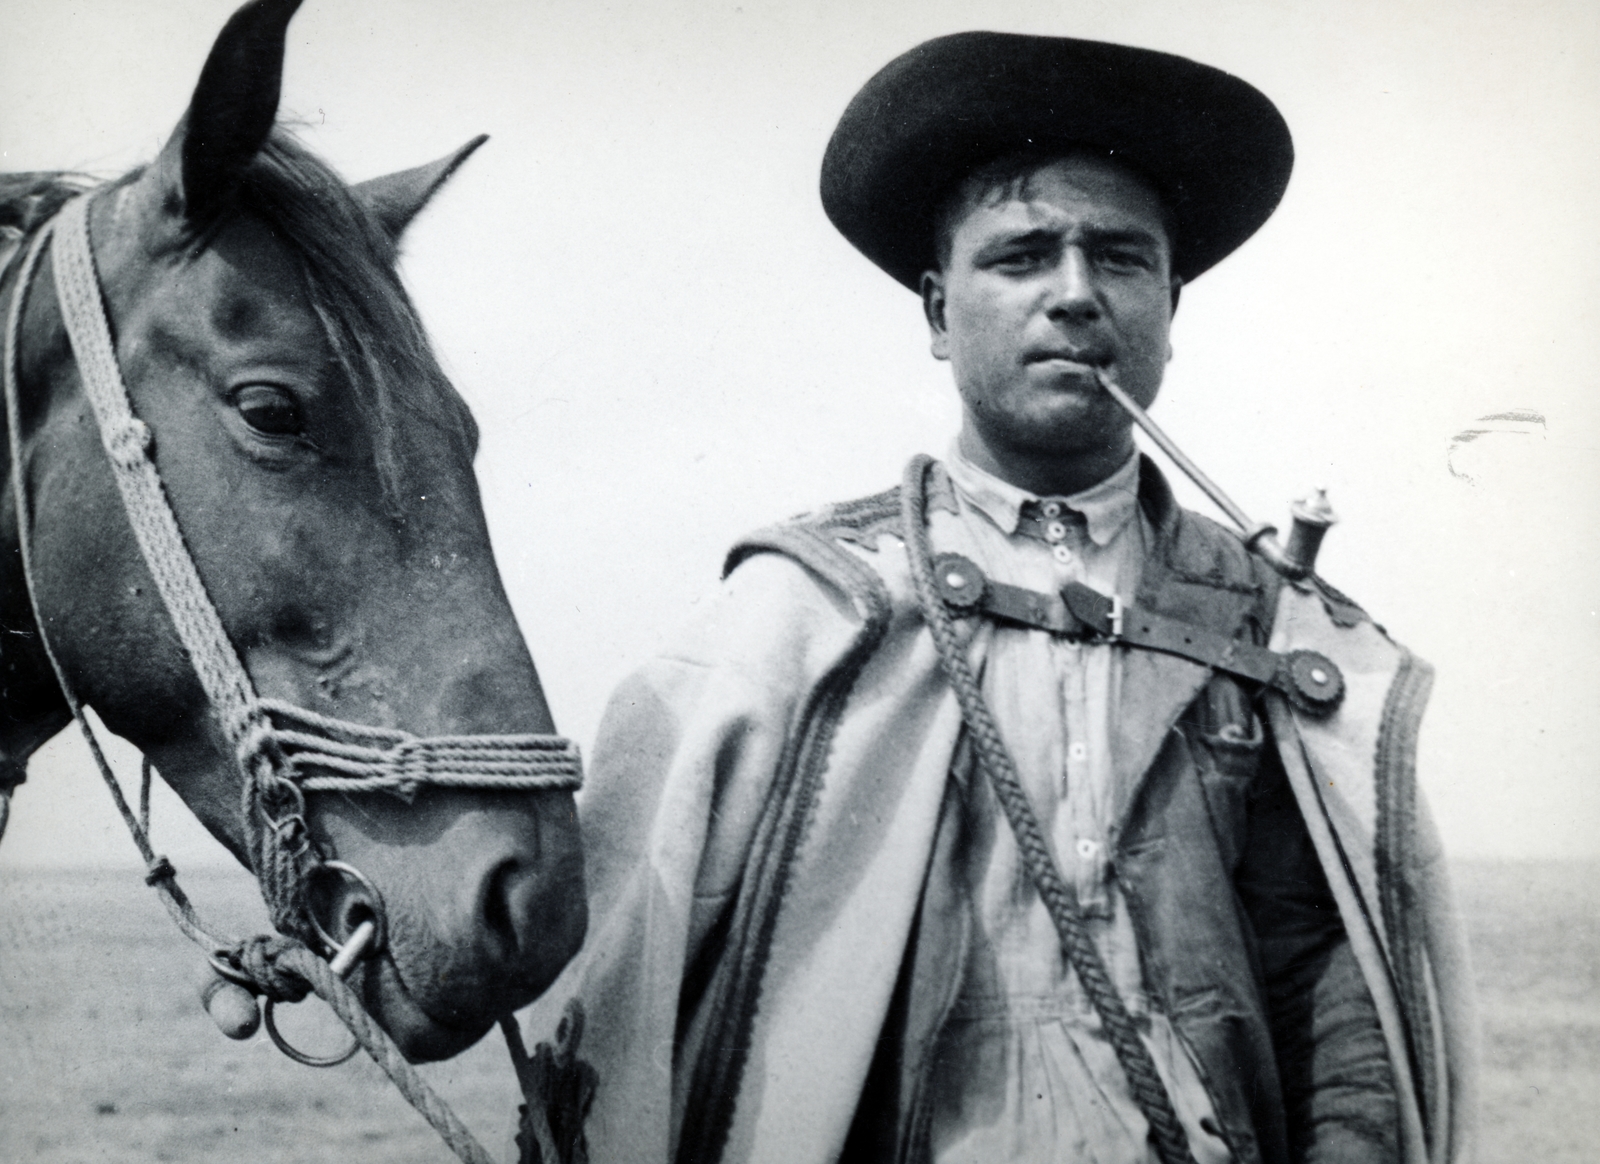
(1216, 148)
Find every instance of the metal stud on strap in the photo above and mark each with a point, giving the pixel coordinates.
(1311, 680)
(959, 582)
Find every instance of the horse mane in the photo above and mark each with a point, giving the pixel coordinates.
(348, 263)
(28, 200)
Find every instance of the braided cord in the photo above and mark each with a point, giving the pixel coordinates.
(1144, 1081)
(350, 757)
(127, 442)
(274, 811)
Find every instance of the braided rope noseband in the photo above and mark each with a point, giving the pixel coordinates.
(282, 750)
(1144, 1081)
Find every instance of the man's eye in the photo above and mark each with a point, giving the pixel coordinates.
(270, 410)
(1125, 260)
(1018, 260)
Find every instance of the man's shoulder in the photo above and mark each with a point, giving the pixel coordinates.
(824, 538)
(859, 522)
(1199, 550)
(1202, 570)
(1199, 554)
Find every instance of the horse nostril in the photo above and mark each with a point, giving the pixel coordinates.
(499, 915)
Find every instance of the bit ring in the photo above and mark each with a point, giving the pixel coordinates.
(360, 944)
(379, 919)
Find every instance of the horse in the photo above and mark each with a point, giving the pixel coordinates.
(316, 466)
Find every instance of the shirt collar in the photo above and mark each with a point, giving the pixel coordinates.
(1107, 507)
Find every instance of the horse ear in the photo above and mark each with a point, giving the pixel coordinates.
(234, 106)
(395, 199)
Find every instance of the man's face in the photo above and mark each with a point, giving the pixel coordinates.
(1052, 276)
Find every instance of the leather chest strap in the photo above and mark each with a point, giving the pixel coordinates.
(1311, 680)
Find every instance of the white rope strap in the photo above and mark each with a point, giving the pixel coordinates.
(274, 812)
(127, 442)
(159, 873)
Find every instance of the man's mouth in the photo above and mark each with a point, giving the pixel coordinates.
(1084, 360)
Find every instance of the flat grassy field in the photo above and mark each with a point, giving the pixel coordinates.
(105, 1054)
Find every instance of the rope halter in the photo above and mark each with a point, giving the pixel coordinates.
(282, 751)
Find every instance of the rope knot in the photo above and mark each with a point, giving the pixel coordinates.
(160, 869)
(257, 747)
(258, 959)
(130, 442)
(411, 763)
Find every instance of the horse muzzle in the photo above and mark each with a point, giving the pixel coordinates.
(474, 898)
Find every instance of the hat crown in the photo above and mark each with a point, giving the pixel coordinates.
(1216, 148)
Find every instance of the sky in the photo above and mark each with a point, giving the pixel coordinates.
(667, 345)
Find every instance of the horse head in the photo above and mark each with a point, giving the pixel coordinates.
(319, 465)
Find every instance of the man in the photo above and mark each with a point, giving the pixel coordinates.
(1017, 814)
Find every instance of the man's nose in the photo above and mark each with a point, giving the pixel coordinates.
(1074, 295)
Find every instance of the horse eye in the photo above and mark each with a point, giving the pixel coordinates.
(270, 410)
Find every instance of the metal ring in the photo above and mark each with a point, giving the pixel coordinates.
(380, 915)
(294, 1052)
(232, 973)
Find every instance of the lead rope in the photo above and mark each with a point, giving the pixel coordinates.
(1144, 1081)
(10, 242)
(277, 965)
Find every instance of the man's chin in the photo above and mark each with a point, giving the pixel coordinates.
(1072, 419)
(1060, 399)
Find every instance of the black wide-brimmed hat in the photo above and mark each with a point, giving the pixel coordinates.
(1216, 148)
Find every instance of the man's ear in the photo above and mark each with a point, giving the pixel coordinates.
(933, 308)
(395, 199)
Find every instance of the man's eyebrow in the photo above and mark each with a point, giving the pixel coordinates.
(1122, 234)
(1032, 236)
(1093, 235)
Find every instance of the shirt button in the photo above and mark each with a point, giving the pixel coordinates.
(1077, 750)
(1052, 509)
(1055, 531)
(1061, 553)
(1087, 849)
